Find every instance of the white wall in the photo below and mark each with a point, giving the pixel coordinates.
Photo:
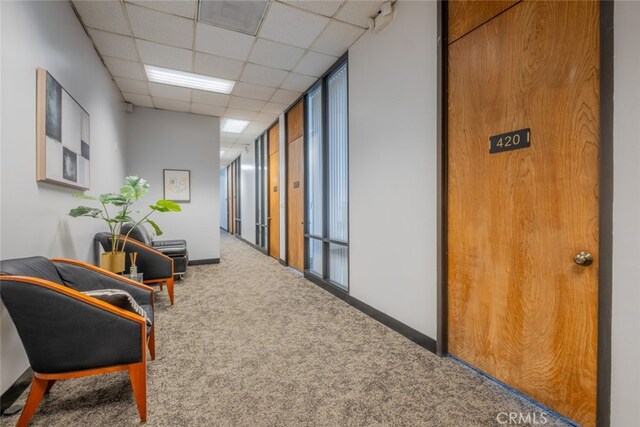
(392, 167)
(625, 376)
(248, 193)
(223, 198)
(170, 140)
(34, 217)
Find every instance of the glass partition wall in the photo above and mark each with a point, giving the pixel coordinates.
(327, 168)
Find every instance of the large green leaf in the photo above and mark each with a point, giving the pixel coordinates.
(128, 192)
(122, 217)
(166, 206)
(155, 227)
(85, 211)
(135, 187)
(114, 199)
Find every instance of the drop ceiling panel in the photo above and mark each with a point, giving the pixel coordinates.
(285, 96)
(171, 104)
(298, 82)
(297, 42)
(264, 76)
(243, 141)
(336, 38)
(210, 98)
(259, 127)
(217, 66)
(184, 8)
(122, 68)
(286, 24)
(132, 86)
(248, 90)
(165, 56)
(138, 100)
(235, 113)
(323, 7)
(227, 139)
(114, 45)
(207, 110)
(266, 118)
(359, 12)
(246, 103)
(170, 92)
(277, 55)
(102, 15)
(161, 27)
(221, 42)
(274, 107)
(315, 64)
(250, 135)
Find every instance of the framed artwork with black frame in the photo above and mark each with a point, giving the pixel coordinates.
(177, 185)
(62, 135)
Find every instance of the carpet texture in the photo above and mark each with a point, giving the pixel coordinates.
(251, 343)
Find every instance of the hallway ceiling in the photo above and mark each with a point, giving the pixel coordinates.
(297, 41)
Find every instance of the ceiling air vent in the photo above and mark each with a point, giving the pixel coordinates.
(242, 16)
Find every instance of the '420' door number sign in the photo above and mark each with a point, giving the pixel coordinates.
(510, 141)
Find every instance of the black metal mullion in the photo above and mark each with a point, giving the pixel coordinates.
(305, 168)
(325, 180)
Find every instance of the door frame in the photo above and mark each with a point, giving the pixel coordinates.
(605, 242)
(284, 260)
(268, 194)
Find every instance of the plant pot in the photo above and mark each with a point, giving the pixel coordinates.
(113, 262)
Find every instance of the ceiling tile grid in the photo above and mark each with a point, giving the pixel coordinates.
(160, 27)
(296, 42)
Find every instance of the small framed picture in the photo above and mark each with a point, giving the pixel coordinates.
(177, 185)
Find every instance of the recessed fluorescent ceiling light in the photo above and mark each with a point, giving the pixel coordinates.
(234, 126)
(190, 80)
(242, 16)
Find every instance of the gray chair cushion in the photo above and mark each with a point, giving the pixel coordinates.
(37, 266)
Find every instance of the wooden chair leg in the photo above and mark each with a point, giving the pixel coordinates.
(161, 286)
(170, 283)
(49, 386)
(38, 388)
(152, 343)
(138, 377)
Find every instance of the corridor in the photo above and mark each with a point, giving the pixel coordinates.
(251, 343)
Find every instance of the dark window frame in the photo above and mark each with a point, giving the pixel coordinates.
(326, 241)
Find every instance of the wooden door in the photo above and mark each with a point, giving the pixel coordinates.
(295, 187)
(274, 192)
(519, 307)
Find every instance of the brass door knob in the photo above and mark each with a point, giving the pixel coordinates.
(583, 258)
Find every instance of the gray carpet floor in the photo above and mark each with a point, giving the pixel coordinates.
(251, 343)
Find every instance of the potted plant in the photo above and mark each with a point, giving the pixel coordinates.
(134, 189)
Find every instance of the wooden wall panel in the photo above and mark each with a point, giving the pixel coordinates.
(465, 15)
(273, 139)
(295, 186)
(274, 191)
(295, 204)
(295, 122)
(519, 308)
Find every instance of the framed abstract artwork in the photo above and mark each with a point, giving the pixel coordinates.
(177, 185)
(62, 132)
